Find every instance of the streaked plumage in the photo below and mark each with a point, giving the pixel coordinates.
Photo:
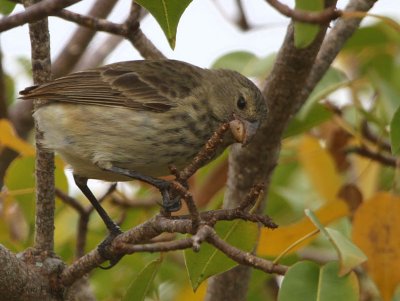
(140, 115)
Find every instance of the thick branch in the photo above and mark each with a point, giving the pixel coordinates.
(256, 162)
(34, 13)
(13, 275)
(337, 37)
(22, 282)
(45, 200)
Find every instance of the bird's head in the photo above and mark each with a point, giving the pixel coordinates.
(240, 102)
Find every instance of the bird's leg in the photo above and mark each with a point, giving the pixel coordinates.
(113, 229)
(162, 185)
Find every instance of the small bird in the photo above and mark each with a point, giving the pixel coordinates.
(133, 119)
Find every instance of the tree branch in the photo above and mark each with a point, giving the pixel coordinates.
(244, 257)
(135, 240)
(45, 204)
(79, 41)
(337, 37)
(321, 17)
(34, 13)
(130, 30)
(378, 141)
(256, 162)
(386, 160)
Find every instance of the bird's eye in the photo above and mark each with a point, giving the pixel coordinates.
(241, 103)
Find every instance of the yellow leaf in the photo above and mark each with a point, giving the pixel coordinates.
(274, 242)
(187, 293)
(376, 230)
(65, 226)
(368, 173)
(9, 138)
(320, 167)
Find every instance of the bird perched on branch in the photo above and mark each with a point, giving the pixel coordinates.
(131, 120)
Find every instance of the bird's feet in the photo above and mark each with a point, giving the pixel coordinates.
(103, 248)
(170, 203)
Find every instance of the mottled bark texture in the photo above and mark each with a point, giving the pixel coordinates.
(294, 76)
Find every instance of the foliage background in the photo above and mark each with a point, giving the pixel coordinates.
(312, 168)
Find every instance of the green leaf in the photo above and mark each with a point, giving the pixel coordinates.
(305, 33)
(299, 124)
(140, 286)
(349, 254)
(167, 13)
(395, 132)
(306, 281)
(10, 89)
(313, 113)
(246, 63)
(6, 7)
(330, 82)
(20, 180)
(210, 261)
(389, 96)
(377, 35)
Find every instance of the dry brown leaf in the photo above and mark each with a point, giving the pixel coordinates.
(376, 230)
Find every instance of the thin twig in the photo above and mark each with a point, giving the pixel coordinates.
(130, 30)
(252, 196)
(375, 156)
(321, 17)
(245, 258)
(96, 24)
(174, 245)
(188, 198)
(206, 153)
(242, 20)
(379, 141)
(34, 13)
(65, 198)
(213, 216)
(138, 39)
(154, 227)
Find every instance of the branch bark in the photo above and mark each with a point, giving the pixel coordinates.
(21, 283)
(302, 68)
(45, 199)
(34, 13)
(320, 17)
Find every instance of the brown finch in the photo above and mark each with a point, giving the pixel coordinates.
(134, 119)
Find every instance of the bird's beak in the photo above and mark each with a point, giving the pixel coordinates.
(243, 130)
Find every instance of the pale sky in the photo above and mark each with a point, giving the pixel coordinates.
(203, 33)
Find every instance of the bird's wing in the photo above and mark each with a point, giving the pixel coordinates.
(140, 85)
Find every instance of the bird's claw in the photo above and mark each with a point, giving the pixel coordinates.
(170, 205)
(104, 252)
